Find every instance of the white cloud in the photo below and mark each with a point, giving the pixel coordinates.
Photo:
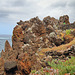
(15, 10)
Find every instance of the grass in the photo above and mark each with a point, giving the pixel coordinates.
(64, 67)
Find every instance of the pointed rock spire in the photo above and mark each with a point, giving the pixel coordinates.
(2, 53)
(7, 46)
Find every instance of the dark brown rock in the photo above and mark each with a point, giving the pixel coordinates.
(10, 64)
(50, 21)
(24, 64)
(20, 23)
(17, 39)
(49, 29)
(64, 19)
(72, 48)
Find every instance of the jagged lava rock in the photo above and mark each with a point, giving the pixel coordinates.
(50, 21)
(64, 19)
(2, 53)
(1, 66)
(29, 37)
(10, 64)
(7, 46)
(24, 64)
(17, 39)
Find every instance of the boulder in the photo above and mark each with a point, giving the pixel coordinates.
(10, 64)
(58, 41)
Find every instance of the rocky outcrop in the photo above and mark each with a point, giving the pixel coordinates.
(32, 33)
(64, 20)
(34, 43)
(50, 21)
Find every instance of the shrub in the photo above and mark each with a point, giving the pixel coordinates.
(68, 32)
(33, 71)
(64, 67)
(64, 23)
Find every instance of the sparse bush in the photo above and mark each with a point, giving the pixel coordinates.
(64, 67)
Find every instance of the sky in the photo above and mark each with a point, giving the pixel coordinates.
(12, 11)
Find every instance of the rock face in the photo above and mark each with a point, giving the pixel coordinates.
(29, 38)
(32, 33)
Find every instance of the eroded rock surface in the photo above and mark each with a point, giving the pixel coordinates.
(30, 43)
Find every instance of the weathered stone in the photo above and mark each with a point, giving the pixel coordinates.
(68, 38)
(66, 53)
(2, 53)
(52, 35)
(73, 33)
(24, 64)
(20, 23)
(29, 37)
(1, 66)
(72, 48)
(49, 29)
(58, 41)
(50, 21)
(64, 19)
(9, 64)
(7, 46)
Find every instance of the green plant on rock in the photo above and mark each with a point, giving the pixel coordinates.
(68, 31)
(33, 71)
(64, 23)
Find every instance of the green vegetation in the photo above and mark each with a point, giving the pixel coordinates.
(64, 67)
(33, 71)
(64, 23)
(68, 31)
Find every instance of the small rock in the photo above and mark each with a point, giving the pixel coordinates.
(10, 64)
